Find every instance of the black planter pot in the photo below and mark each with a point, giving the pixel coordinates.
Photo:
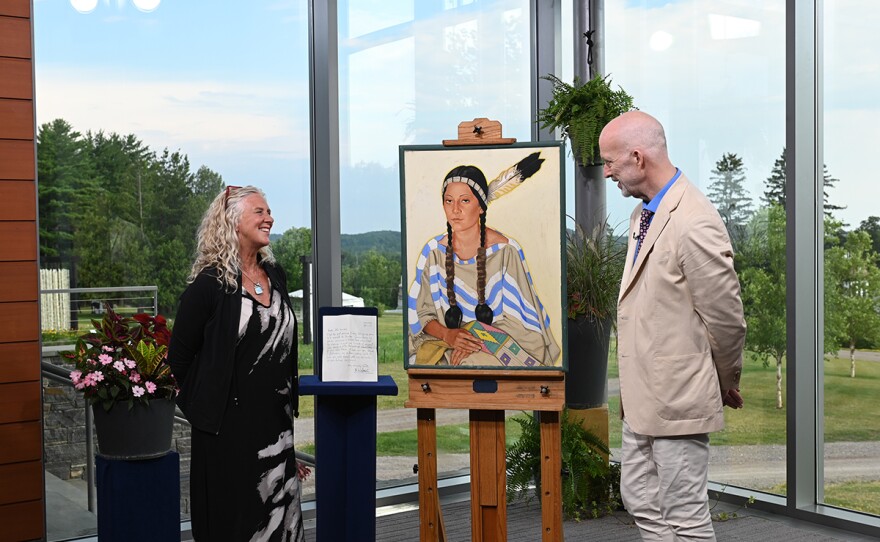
(586, 384)
(144, 432)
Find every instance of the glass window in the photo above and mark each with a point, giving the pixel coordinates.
(713, 73)
(145, 111)
(851, 105)
(411, 80)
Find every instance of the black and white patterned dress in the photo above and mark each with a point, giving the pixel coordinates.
(251, 464)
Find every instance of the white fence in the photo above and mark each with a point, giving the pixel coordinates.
(55, 307)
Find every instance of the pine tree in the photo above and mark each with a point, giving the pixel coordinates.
(730, 197)
(728, 193)
(775, 193)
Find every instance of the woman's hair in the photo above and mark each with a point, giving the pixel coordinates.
(476, 181)
(217, 241)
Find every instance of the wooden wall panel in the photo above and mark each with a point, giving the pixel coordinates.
(16, 119)
(19, 200)
(21, 442)
(16, 80)
(22, 521)
(22, 491)
(21, 482)
(17, 361)
(18, 241)
(19, 322)
(15, 37)
(17, 159)
(20, 281)
(15, 8)
(20, 402)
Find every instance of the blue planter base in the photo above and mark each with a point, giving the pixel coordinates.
(138, 501)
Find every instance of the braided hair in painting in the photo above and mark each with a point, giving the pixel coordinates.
(476, 181)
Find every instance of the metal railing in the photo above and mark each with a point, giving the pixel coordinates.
(61, 375)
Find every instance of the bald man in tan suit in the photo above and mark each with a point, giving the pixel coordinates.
(680, 334)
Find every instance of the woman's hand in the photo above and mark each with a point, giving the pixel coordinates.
(302, 471)
(463, 344)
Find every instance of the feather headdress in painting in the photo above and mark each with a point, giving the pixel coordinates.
(514, 176)
(504, 183)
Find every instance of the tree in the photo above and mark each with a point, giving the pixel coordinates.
(871, 226)
(374, 277)
(855, 278)
(67, 188)
(730, 196)
(775, 193)
(288, 249)
(763, 289)
(125, 214)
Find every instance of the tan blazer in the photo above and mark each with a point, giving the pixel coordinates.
(680, 319)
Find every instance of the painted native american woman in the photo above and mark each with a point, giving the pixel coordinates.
(472, 301)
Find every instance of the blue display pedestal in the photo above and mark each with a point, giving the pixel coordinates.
(138, 500)
(345, 452)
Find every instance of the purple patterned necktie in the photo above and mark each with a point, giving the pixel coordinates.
(644, 222)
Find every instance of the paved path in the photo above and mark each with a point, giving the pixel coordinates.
(405, 418)
(860, 355)
(758, 466)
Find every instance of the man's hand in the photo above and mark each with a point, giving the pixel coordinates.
(732, 398)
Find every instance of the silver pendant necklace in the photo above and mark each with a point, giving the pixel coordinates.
(258, 288)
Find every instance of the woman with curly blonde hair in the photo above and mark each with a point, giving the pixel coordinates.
(233, 351)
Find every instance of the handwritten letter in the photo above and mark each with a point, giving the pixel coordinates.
(350, 349)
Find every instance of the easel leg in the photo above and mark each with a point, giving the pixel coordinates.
(488, 476)
(431, 527)
(551, 472)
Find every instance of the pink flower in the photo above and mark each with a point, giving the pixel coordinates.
(135, 377)
(130, 363)
(80, 385)
(105, 359)
(107, 348)
(75, 376)
(151, 388)
(137, 391)
(98, 376)
(119, 366)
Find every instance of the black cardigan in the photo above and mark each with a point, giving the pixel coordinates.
(202, 349)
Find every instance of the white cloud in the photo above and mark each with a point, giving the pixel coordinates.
(178, 113)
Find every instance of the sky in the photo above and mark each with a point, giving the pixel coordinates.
(227, 84)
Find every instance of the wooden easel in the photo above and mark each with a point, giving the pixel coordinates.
(480, 131)
(487, 393)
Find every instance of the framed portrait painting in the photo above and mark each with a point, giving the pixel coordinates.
(483, 256)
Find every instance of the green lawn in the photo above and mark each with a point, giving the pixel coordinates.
(861, 496)
(390, 363)
(850, 412)
(850, 403)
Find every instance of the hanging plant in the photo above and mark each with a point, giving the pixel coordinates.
(581, 111)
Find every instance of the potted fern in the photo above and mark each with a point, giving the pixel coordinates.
(594, 266)
(590, 485)
(581, 110)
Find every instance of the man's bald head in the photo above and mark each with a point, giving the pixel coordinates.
(639, 130)
(633, 147)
